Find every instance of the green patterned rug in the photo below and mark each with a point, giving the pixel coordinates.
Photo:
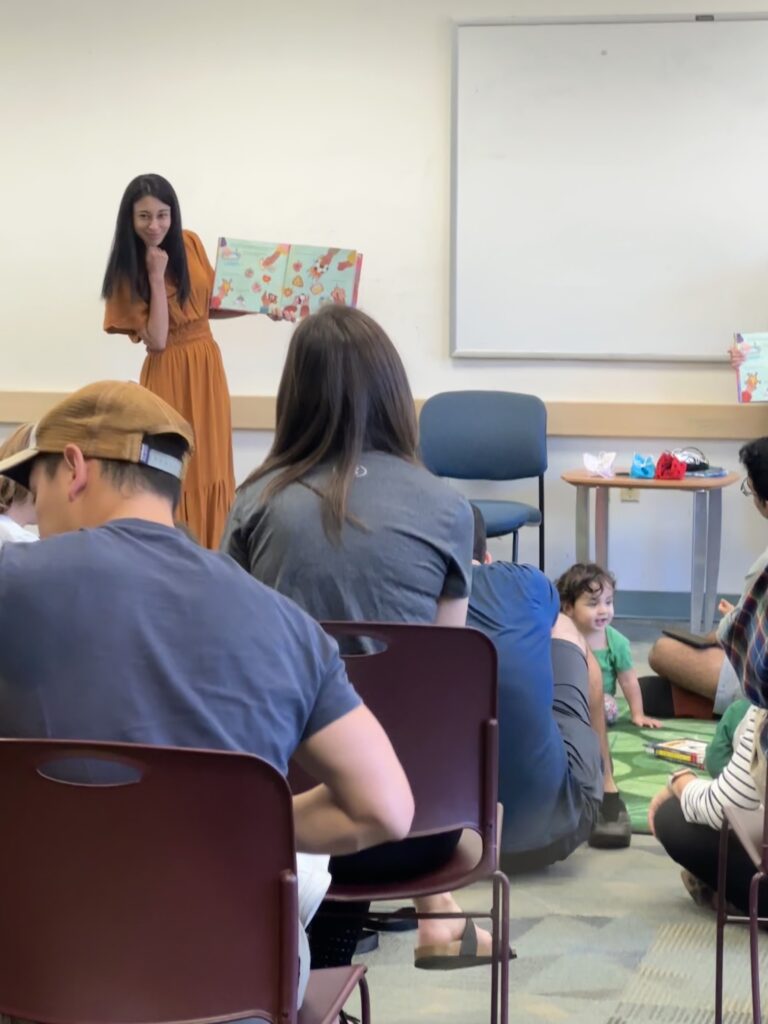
(638, 774)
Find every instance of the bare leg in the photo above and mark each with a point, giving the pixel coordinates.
(688, 667)
(436, 931)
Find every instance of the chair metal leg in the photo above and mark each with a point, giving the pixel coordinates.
(514, 545)
(754, 950)
(541, 526)
(722, 863)
(495, 949)
(365, 1001)
(504, 887)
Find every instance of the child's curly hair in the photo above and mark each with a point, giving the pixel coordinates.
(582, 578)
(17, 442)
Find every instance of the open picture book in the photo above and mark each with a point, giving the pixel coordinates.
(286, 282)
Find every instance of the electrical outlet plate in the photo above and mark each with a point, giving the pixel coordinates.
(630, 494)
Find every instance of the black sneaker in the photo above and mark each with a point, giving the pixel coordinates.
(614, 834)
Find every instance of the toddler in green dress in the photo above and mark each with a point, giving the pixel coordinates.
(586, 596)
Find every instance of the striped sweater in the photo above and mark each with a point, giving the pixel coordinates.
(703, 800)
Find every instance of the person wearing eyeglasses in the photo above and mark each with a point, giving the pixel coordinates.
(706, 671)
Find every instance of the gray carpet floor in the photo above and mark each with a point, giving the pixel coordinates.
(606, 937)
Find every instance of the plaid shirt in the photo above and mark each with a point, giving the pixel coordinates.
(745, 642)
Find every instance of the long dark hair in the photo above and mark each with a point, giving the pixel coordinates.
(126, 260)
(754, 458)
(583, 578)
(343, 391)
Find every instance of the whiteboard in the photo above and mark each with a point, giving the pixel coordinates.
(610, 188)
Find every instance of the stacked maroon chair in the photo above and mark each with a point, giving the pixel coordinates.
(435, 691)
(167, 896)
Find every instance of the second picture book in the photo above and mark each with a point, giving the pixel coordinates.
(752, 375)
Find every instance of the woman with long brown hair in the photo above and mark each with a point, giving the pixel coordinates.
(343, 518)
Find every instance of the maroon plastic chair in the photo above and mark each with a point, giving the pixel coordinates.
(167, 897)
(751, 829)
(435, 691)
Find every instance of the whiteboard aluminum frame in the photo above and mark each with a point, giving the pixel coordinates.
(532, 354)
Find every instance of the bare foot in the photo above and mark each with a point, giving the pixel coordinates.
(440, 931)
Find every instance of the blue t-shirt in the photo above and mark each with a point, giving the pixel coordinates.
(516, 606)
(131, 632)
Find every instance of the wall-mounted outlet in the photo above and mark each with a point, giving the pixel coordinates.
(630, 494)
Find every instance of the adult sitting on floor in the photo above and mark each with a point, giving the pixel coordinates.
(551, 777)
(687, 815)
(119, 627)
(706, 671)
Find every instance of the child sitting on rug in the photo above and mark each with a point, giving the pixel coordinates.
(586, 597)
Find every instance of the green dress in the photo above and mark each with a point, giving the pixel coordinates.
(615, 657)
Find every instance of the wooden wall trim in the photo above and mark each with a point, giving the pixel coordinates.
(566, 419)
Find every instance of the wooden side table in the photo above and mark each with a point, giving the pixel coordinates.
(707, 493)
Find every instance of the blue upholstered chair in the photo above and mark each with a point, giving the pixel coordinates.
(489, 435)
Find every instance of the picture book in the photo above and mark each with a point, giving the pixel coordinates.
(286, 282)
(752, 375)
(686, 637)
(682, 751)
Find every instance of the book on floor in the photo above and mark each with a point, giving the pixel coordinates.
(287, 282)
(752, 375)
(681, 751)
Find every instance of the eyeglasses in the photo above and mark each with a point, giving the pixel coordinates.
(746, 488)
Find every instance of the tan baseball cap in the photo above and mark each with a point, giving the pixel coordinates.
(111, 419)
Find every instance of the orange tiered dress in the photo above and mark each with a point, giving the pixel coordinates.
(189, 375)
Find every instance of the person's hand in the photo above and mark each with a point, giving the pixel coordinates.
(737, 355)
(157, 261)
(725, 607)
(644, 722)
(661, 798)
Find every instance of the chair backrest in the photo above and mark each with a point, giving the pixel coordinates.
(434, 689)
(484, 435)
(170, 898)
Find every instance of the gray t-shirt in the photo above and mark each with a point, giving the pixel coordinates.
(413, 544)
(131, 632)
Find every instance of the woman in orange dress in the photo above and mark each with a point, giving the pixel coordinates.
(157, 288)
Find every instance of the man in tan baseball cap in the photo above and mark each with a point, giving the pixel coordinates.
(111, 447)
(119, 627)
